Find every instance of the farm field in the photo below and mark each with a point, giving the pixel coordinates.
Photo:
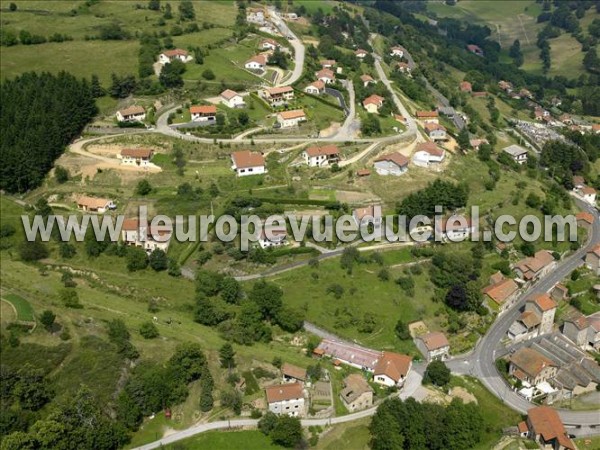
(21, 306)
(232, 440)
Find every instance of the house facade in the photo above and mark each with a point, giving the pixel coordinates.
(232, 99)
(246, 163)
(530, 366)
(291, 373)
(286, 399)
(503, 293)
(545, 427)
(356, 394)
(293, 118)
(434, 346)
(391, 164)
(201, 113)
(428, 116)
(136, 157)
(326, 76)
(278, 96)
(428, 153)
(131, 114)
(373, 103)
(518, 153)
(545, 308)
(454, 228)
(533, 268)
(435, 132)
(147, 236)
(315, 88)
(392, 369)
(256, 63)
(321, 156)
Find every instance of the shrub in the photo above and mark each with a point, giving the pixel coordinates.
(148, 330)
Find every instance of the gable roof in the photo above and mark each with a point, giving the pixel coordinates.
(132, 110)
(326, 73)
(283, 392)
(360, 51)
(366, 78)
(429, 127)
(435, 340)
(530, 361)
(244, 159)
(371, 211)
(394, 365)
(293, 114)
(373, 100)
(175, 52)
(546, 422)
(279, 90)
(585, 217)
(228, 94)
(501, 290)
(514, 150)
(293, 371)
(541, 259)
(317, 85)
(137, 152)
(260, 59)
(426, 114)
(270, 41)
(354, 386)
(543, 302)
(530, 319)
(92, 202)
(396, 158)
(203, 109)
(429, 147)
(327, 150)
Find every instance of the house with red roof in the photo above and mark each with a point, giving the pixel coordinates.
(148, 236)
(428, 153)
(176, 54)
(326, 76)
(373, 103)
(391, 164)
(536, 266)
(202, 113)
(278, 96)
(502, 292)
(545, 427)
(321, 156)
(475, 49)
(132, 114)
(392, 369)
(367, 80)
(257, 62)
(434, 346)
(286, 399)
(245, 163)
(315, 88)
(545, 308)
(435, 132)
(136, 156)
(427, 116)
(360, 53)
(465, 86)
(232, 99)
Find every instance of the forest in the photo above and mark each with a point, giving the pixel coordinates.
(39, 115)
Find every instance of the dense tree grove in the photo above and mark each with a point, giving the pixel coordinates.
(444, 193)
(409, 425)
(40, 115)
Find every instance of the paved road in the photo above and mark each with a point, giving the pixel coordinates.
(298, 46)
(481, 363)
(351, 125)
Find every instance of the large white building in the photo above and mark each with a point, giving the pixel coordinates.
(288, 119)
(136, 157)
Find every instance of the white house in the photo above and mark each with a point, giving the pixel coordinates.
(278, 96)
(428, 153)
(94, 204)
(315, 88)
(391, 164)
(454, 228)
(428, 116)
(131, 114)
(269, 44)
(321, 156)
(286, 399)
(392, 369)
(434, 346)
(257, 62)
(245, 162)
(146, 236)
(136, 157)
(232, 99)
(326, 76)
(170, 55)
(291, 118)
(272, 237)
(360, 53)
(436, 132)
(518, 153)
(373, 103)
(397, 51)
(588, 194)
(203, 113)
(367, 80)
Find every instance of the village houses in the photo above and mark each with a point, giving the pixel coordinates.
(356, 394)
(391, 164)
(530, 366)
(203, 113)
(518, 153)
(434, 346)
(278, 96)
(544, 426)
(392, 369)
(503, 292)
(131, 114)
(534, 267)
(321, 156)
(583, 331)
(94, 204)
(291, 118)
(315, 88)
(427, 153)
(286, 399)
(176, 54)
(136, 157)
(147, 236)
(535, 320)
(245, 162)
(232, 99)
(427, 116)
(373, 103)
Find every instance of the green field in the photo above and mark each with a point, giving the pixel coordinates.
(22, 306)
(233, 440)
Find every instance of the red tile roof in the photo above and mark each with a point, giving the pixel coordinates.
(283, 392)
(394, 365)
(426, 114)
(245, 159)
(137, 152)
(175, 52)
(326, 73)
(430, 148)
(201, 109)
(585, 217)
(530, 361)
(546, 422)
(292, 371)
(435, 340)
(327, 150)
(373, 100)
(499, 292)
(397, 158)
(543, 301)
(294, 114)
(279, 90)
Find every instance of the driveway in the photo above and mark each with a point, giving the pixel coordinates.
(298, 46)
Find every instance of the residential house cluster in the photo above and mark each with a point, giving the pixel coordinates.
(536, 319)
(388, 368)
(583, 331)
(534, 267)
(552, 369)
(146, 235)
(543, 425)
